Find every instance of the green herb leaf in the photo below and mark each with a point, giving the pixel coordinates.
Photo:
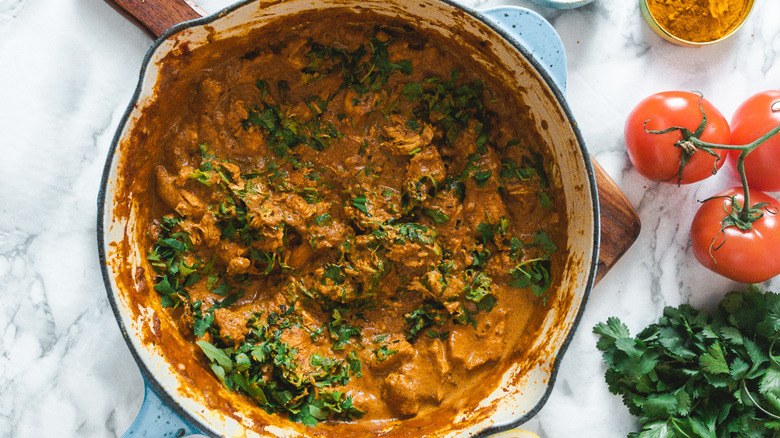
(215, 354)
(481, 177)
(360, 203)
(324, 219)
(533, 274)
(713, 361)
(436, 215)
(696, 374)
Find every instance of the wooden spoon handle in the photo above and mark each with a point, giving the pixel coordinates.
(157, 16)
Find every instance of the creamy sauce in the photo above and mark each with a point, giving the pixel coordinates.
(353, 223)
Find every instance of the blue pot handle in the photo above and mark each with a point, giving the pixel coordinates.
(536, 34)
(157, 420)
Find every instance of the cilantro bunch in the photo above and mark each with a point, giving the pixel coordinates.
(698, 375)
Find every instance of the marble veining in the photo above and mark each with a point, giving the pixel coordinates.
(69, 68)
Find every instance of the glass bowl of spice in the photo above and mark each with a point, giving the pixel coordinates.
(695, 22)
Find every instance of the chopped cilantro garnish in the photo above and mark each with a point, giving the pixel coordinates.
(304, 397)
(479, 291)
(533, 274)
(429, 315)
(486, 232)
(334, 273)
(436, 215)
(324, 219)
(363, 69)
(360, 203)
(481, 177)
(383, 352)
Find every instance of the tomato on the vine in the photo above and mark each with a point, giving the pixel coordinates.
(755, 117)
(655, 156)
(746, 256)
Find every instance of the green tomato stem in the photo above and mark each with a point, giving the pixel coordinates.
(744, 210)
(744, 213)
(735, 147)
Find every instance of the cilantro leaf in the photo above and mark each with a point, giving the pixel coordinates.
(360, 203)
(713, 361)
(437, 216)
(216, 355)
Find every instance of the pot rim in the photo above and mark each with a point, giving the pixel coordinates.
(149, 377)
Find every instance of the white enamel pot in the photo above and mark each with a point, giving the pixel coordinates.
(534, 59)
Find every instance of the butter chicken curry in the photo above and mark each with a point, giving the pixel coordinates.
(354, 222)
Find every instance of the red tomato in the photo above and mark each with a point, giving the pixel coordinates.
(654, 155)
(751, 256)
(755, 117)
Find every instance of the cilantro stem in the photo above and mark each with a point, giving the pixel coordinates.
(755, 403)
(678, 429)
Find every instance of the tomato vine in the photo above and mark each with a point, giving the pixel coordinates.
(734, 213)
(691, 142)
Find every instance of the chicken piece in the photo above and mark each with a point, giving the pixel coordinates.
(268, 219)
(403, 140)
(366, 266)
(356, 107)
(437, 354)
(389, 353)
(526, 196)
(341, 293)
(445, 290)
(484, 207)
(270, 214)
(172, 192)
(489, 336)
(419, 379)
(521, 188)
(426, 165)
(300, 255)
(423, 175)
(298, 338)
(398, 392)
(204, 232)
(367, 402)
(238, 265)
(400, 50)
(414, 248)
(330, 235)
(232, 324)
(210, 232)
(211, 89)
(297, 211)
(466, 141)
(298, 49)
(372, 211)
(228, 250)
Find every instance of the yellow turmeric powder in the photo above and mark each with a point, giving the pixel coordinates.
(698, 20)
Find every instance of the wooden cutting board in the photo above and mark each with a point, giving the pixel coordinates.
(619, 221)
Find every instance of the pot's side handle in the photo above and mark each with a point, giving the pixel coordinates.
(537, 35)
(157, 420)
(157, 16)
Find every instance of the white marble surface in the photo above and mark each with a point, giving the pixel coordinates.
(68, 70)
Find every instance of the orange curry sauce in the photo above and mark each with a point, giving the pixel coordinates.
(350, 223)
